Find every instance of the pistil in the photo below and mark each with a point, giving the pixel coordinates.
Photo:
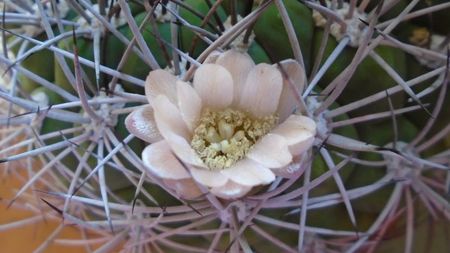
(224, 137)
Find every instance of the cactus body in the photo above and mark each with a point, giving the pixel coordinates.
(230, 126)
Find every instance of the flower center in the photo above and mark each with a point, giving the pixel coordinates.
(420, 37)
(224, 137)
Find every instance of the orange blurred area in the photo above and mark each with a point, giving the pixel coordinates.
(28, 238)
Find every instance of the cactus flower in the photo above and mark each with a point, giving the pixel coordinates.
(231, 130)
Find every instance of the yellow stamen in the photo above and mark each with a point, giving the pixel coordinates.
(224, 137)
(420, 37)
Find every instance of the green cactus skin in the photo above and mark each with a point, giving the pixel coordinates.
(135, 66)
(270, 32)
(381, 134)
(437, 21)
(186, 35)
(34, 64)
(85, 50)
(377, 81)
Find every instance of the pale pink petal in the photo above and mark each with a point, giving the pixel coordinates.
(230, 190)
(184, 188)
(214, 85)
(208, 178)
(159, 159)
(295, 169)
(248, 172)
(168, 118)
(160, 82)
(174, 130)
(141, 123)
(212, 57)
(298, 131)
(271, 151)
(262, 89)
(293, 84)
(183, 150)
(189, 103)
(239, 65)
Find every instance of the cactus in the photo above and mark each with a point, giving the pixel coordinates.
(229, 126)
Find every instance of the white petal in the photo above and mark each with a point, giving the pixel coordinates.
(294, 79)
(214, 85)
(159, 159)
(295, 169)
(189, 103)
(184, 188)
(168, 118)
(239, 65)
(160, 82)
(250, 173)
(262, 89)
(271, 151)
(141, 123)
(208, 177)
(183, 150)
(174, 130)
(212, 57)
(298, 131)
(231, 190)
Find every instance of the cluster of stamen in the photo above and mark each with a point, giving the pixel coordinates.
(420, 37)
(224, 137)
